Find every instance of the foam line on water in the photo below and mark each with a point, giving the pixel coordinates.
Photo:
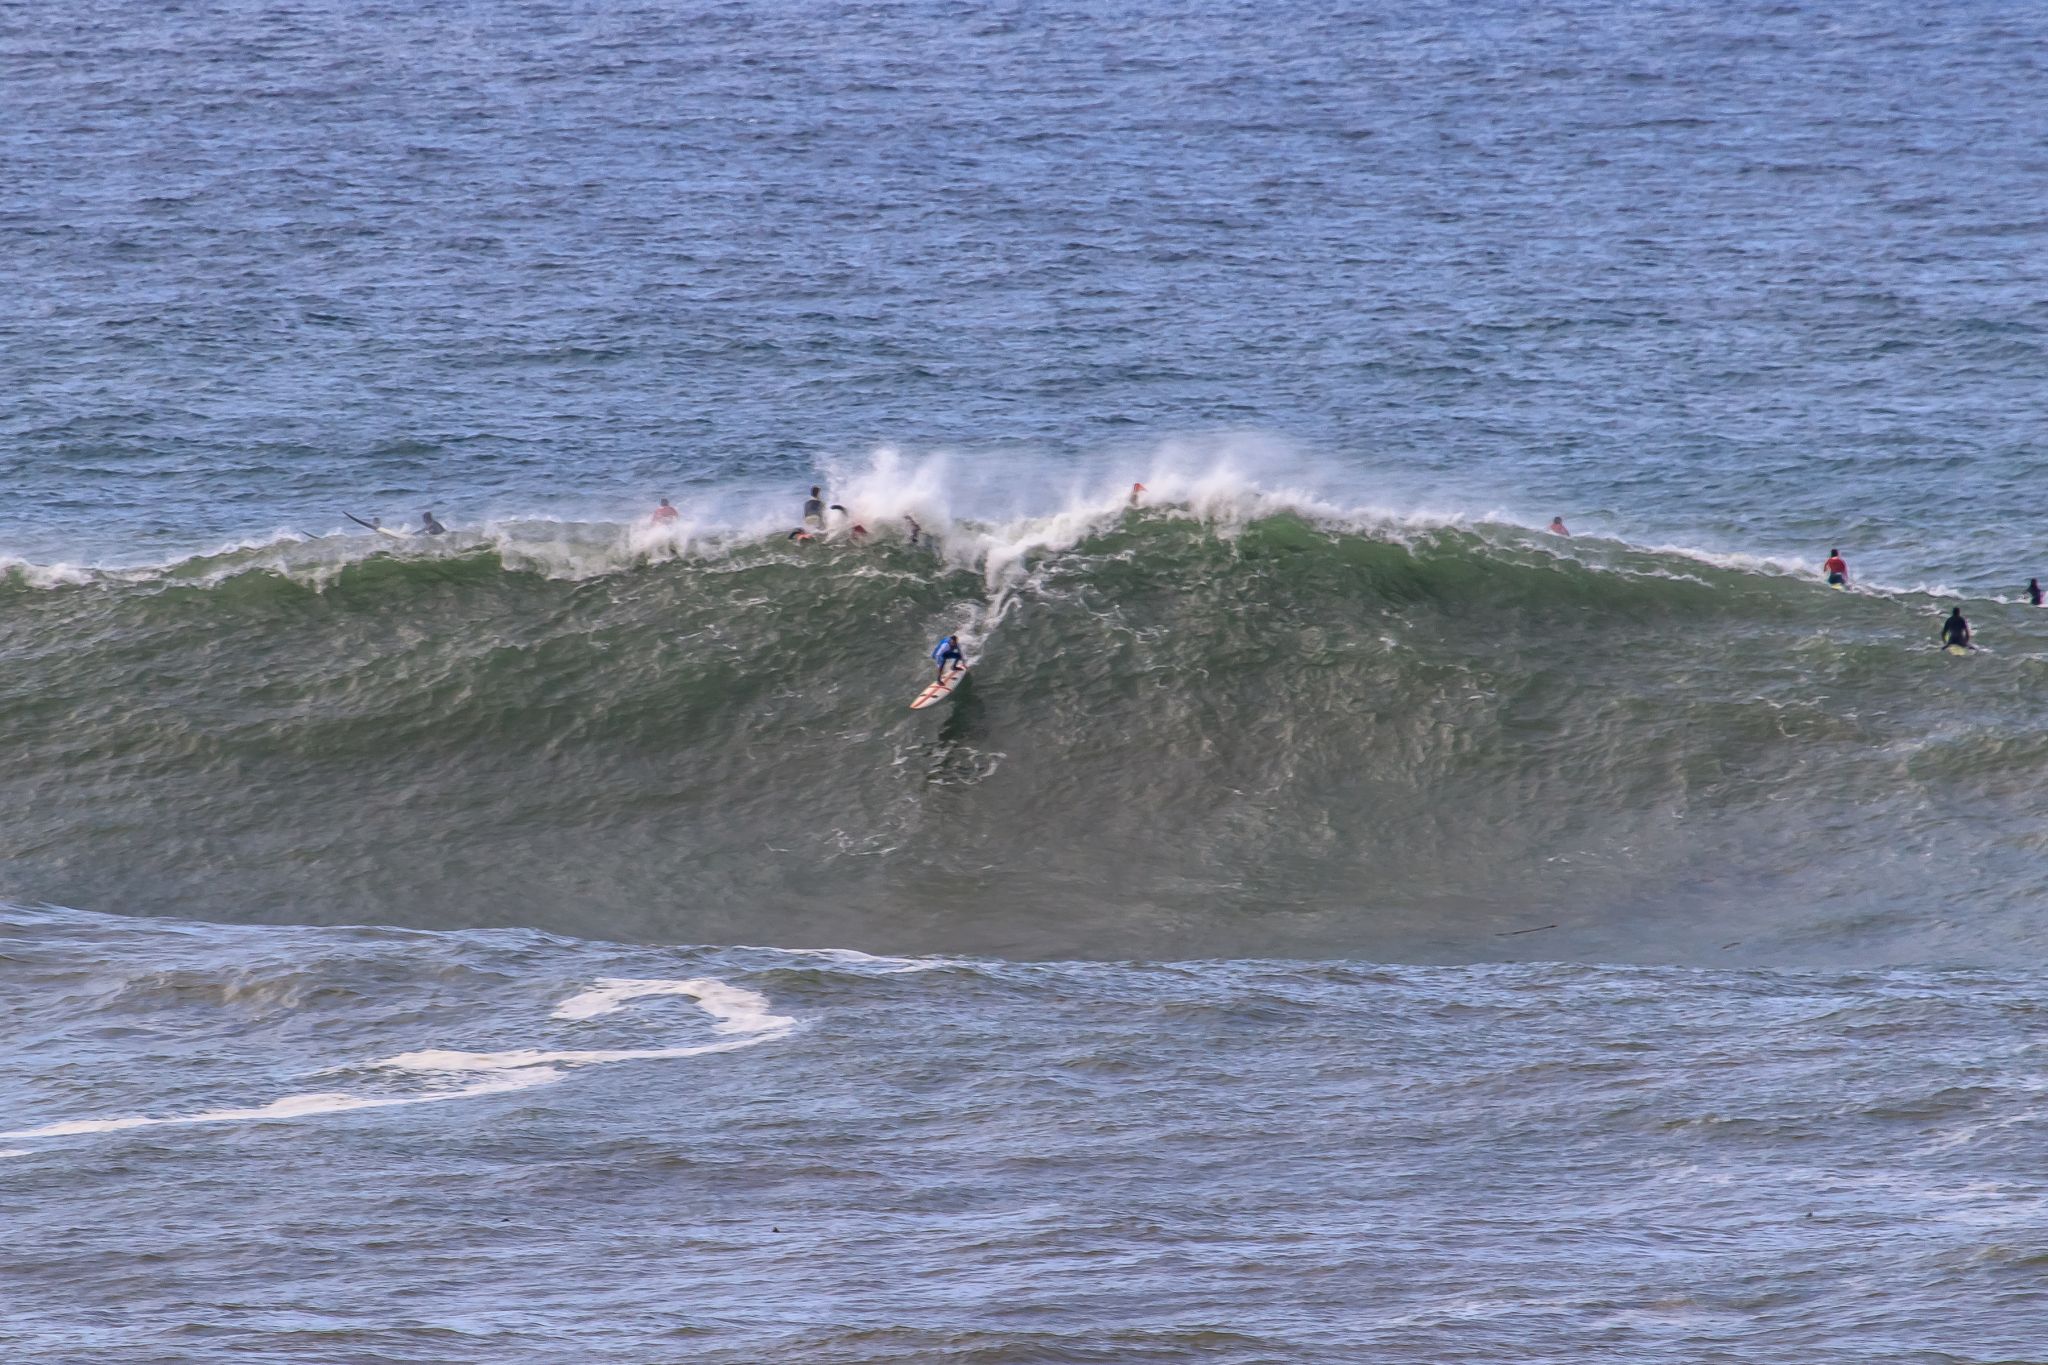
(851, 957)
(308, 1105)
(745, 1015)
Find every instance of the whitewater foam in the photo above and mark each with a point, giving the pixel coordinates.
(733, 1010)
(999, 520)
(46, 575)
(289, 1107)
(882, 965)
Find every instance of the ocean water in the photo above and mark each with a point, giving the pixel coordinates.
(1337, 920)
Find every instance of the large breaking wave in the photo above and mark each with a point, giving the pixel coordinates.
(1236, 720)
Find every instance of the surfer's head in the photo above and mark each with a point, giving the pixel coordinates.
(814, 491)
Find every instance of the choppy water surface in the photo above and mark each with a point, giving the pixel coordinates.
(588, 1151)
(1337, 920)
(1766, 273)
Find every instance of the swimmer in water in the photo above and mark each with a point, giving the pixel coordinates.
(1557, 527)
(1837, 569)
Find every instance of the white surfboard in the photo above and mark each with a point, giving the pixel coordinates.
(380, 530)
(939, 690)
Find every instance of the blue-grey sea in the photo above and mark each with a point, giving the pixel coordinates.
(1344, 915)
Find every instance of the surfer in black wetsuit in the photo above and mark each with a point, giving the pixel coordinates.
(431, 527)
(1955, 630)
(2034, 591)
(814, 509)
(915, 529)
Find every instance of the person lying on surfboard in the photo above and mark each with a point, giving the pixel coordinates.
(945, 652)
(431, 527)
(1837, 569)
(1557, 527)
(1955, 630)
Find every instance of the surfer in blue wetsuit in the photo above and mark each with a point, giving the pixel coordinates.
(429, 526)
(947, 651)
(1955, 630)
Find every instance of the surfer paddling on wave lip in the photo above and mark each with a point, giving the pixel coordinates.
(1557, 527)
(945, 652)
(665, 513)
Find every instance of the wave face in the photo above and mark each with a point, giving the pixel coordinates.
(1281, 730)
